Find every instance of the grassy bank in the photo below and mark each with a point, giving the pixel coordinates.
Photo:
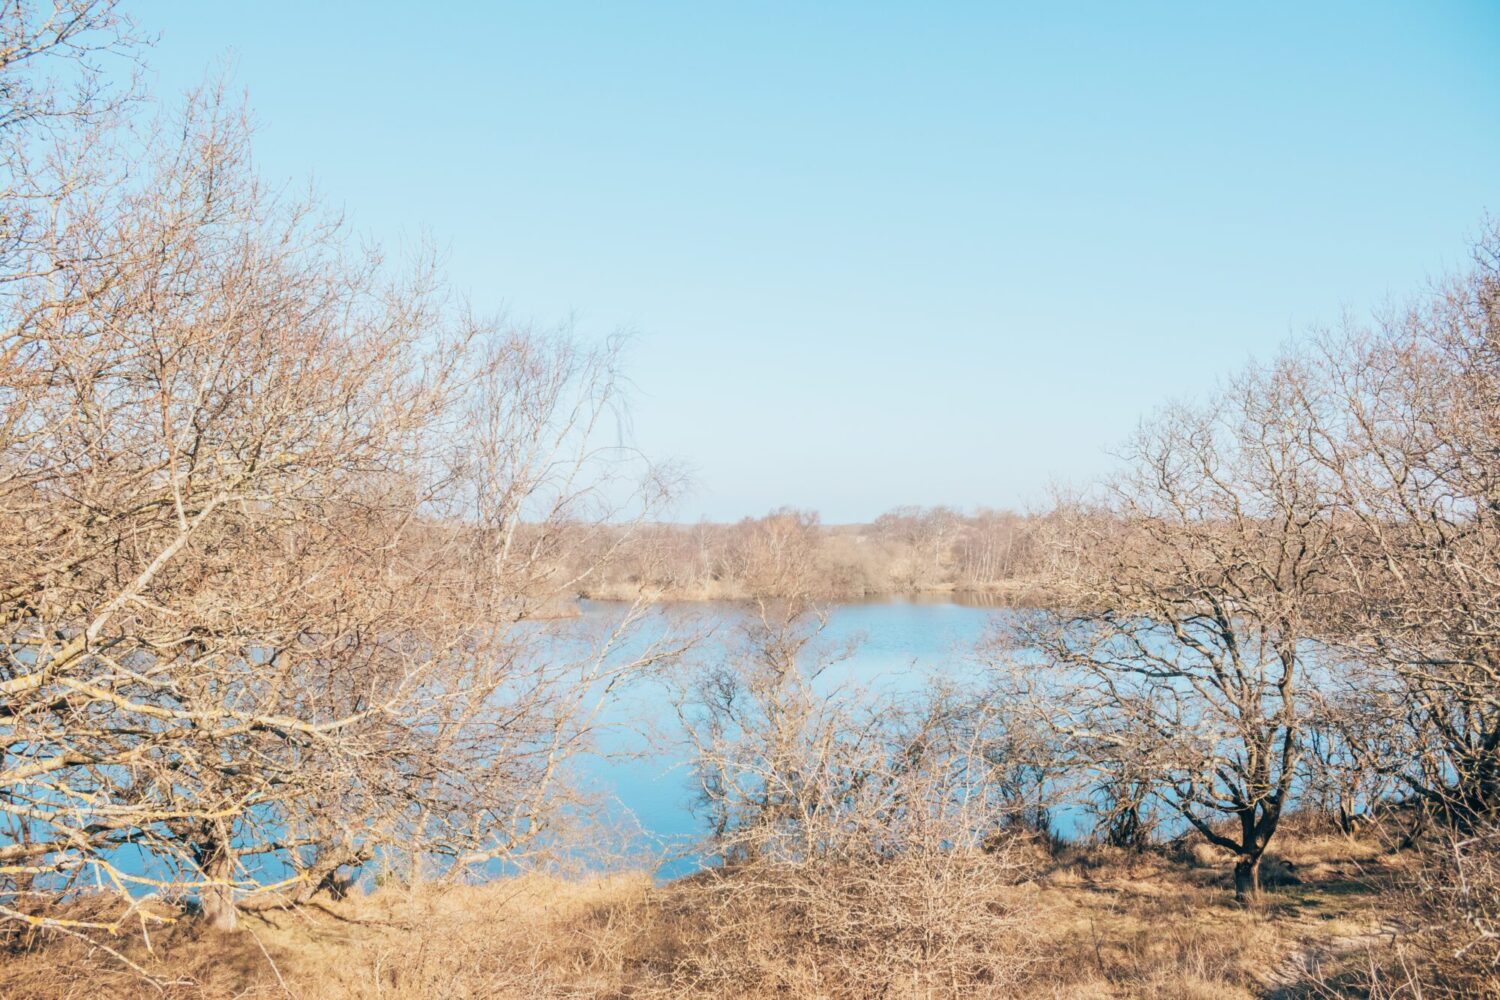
(1081, 923)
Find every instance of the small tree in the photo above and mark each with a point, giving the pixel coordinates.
(1180, 642)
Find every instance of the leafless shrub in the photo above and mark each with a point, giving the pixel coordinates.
(1445, 919)
(1126, 813)
(855, 831)
(1451, 906)
(929, 921)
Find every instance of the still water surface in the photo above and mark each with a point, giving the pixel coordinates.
(640, 776)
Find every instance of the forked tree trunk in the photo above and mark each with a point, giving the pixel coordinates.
(323, 874)
(1247, 878)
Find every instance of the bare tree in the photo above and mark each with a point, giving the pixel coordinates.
(1181, 642)
(277, 520)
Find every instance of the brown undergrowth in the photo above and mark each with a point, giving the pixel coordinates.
(1088, 922)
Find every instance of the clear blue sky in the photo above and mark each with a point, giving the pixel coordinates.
(878, 253)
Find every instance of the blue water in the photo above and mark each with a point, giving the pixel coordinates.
(640, 775)
(636, 777)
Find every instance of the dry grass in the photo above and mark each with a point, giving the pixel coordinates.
(1156, 926)
(1096, 923)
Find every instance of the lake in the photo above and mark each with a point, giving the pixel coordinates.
(638, 779)
(640, 776)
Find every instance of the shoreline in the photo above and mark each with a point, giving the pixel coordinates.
(1012, 594)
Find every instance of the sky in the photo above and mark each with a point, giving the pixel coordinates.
(872, 254)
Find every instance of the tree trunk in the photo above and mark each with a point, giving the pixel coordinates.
(1247, 878)
(217, 898)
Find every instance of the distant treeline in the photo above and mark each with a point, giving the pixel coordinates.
(907, 550)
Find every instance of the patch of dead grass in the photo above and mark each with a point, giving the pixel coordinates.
(1095, 924)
